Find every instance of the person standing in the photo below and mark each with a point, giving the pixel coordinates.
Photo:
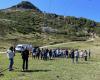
(42, 53)
(76, 55)
(38, 53)
(50, 54)
(81, 55)
(85, 55)
(25, 56)
(89, 54)
(66, 53)
(11, 54)
(34, 53)
(72, 55)
(46, 54)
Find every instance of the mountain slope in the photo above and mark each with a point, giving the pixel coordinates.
(25, 18)
(24, 5)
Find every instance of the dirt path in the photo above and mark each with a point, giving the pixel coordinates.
(57, 44)
(2, 52)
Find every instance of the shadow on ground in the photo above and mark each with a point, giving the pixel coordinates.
(47, 70)
(37, 71)
(1, 74)
(84, 62)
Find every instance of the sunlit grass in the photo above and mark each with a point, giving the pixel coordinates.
(57, 69)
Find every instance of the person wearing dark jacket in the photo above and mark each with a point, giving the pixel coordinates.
(25, 55)
(45, 54)
(42, 54)
(85, 55)
(66, 53)
(72, 55)
(89, 54)
(50, 54)
(38, 53)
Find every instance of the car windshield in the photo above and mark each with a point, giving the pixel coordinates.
(19, 46)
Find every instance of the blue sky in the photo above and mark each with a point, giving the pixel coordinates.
(80, 8)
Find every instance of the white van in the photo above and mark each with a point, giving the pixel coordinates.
(20, 47)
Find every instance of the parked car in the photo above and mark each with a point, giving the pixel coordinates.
(20, 47)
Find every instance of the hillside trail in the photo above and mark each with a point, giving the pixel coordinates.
(57, 44)
(94, 40)
(49, 45)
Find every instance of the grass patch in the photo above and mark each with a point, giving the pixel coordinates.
(57, 69)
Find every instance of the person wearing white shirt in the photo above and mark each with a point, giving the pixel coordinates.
(76, 55)
(10, 55)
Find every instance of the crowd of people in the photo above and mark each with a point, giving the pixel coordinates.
(47, 54)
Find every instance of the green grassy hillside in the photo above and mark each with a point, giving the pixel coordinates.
(25, 23)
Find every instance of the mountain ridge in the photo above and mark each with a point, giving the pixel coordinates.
(24, 5)
(33, 21)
